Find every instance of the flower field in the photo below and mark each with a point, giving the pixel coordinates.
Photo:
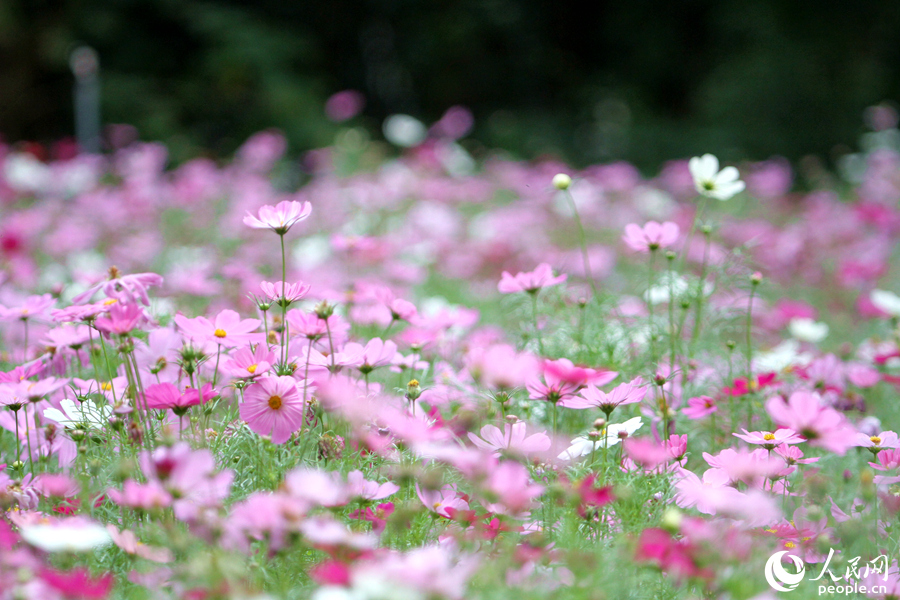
(431, 377)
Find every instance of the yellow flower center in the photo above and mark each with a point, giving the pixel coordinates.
(790, 545)
(109, 301)
(768, 437)
(413, 383)
(251, 369)
(875, 440)
(275, 402)
(106, 386)
(436, 504)
(219, 333)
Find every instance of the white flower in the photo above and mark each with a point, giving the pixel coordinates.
(779, 358)
(24, 173)
(712, 182)
(84, 414)
(583, 446)
(678, 285)
(807, 330)
(66, 536)
(404, 131)
(887, 302)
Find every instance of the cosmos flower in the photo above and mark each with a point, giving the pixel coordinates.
(512, 438)
(713, 183)
(74, 415)
(531, 281)
(75, 534)
(281, 217)
(273, 406)
(652, 236)
(227, 330)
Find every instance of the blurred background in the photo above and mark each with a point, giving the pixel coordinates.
(644, 81)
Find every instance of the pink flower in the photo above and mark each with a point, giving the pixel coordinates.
(646, 452)
(805, 413)
(530, 282)
(403, 310)
(793, 455)
(144, 496)
(699, 407)
(33, 307)
(227, 330)
(376, 353)
(768, 439)
(562, 380)
(360, 487)
(273, 406)
(281, 217)
(652, 236)
(875, 443)
(162, 396)
(511, 439)
(440, 501)
(127, 541)
(124, 288)
(121, 319)
(499, 366)
(511, 484)
(248, 363)
(283, 293)
(593, 397)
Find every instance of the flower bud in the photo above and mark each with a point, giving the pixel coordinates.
(671, 520)
(561, 181)
(599, 424)
(324, 310)
(413, 391)
(756, 278)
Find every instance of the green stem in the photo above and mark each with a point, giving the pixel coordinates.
(537, 331)
(649, 299)
(583, 242)
(701, 204)
(700, 293)
(216, 372)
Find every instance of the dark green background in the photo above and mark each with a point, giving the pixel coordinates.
(643, 80)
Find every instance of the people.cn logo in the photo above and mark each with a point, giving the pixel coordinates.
(778, 578)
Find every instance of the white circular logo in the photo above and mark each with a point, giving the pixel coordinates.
(776, 575)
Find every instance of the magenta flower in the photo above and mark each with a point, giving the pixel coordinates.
(652, 236)
(281, 217)
(273, 406)
(78, 584)
(805, 413)
(699, 407)
(163, 396)
(770, 440)
(376, 353)
(227, 330)
(530, 282)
